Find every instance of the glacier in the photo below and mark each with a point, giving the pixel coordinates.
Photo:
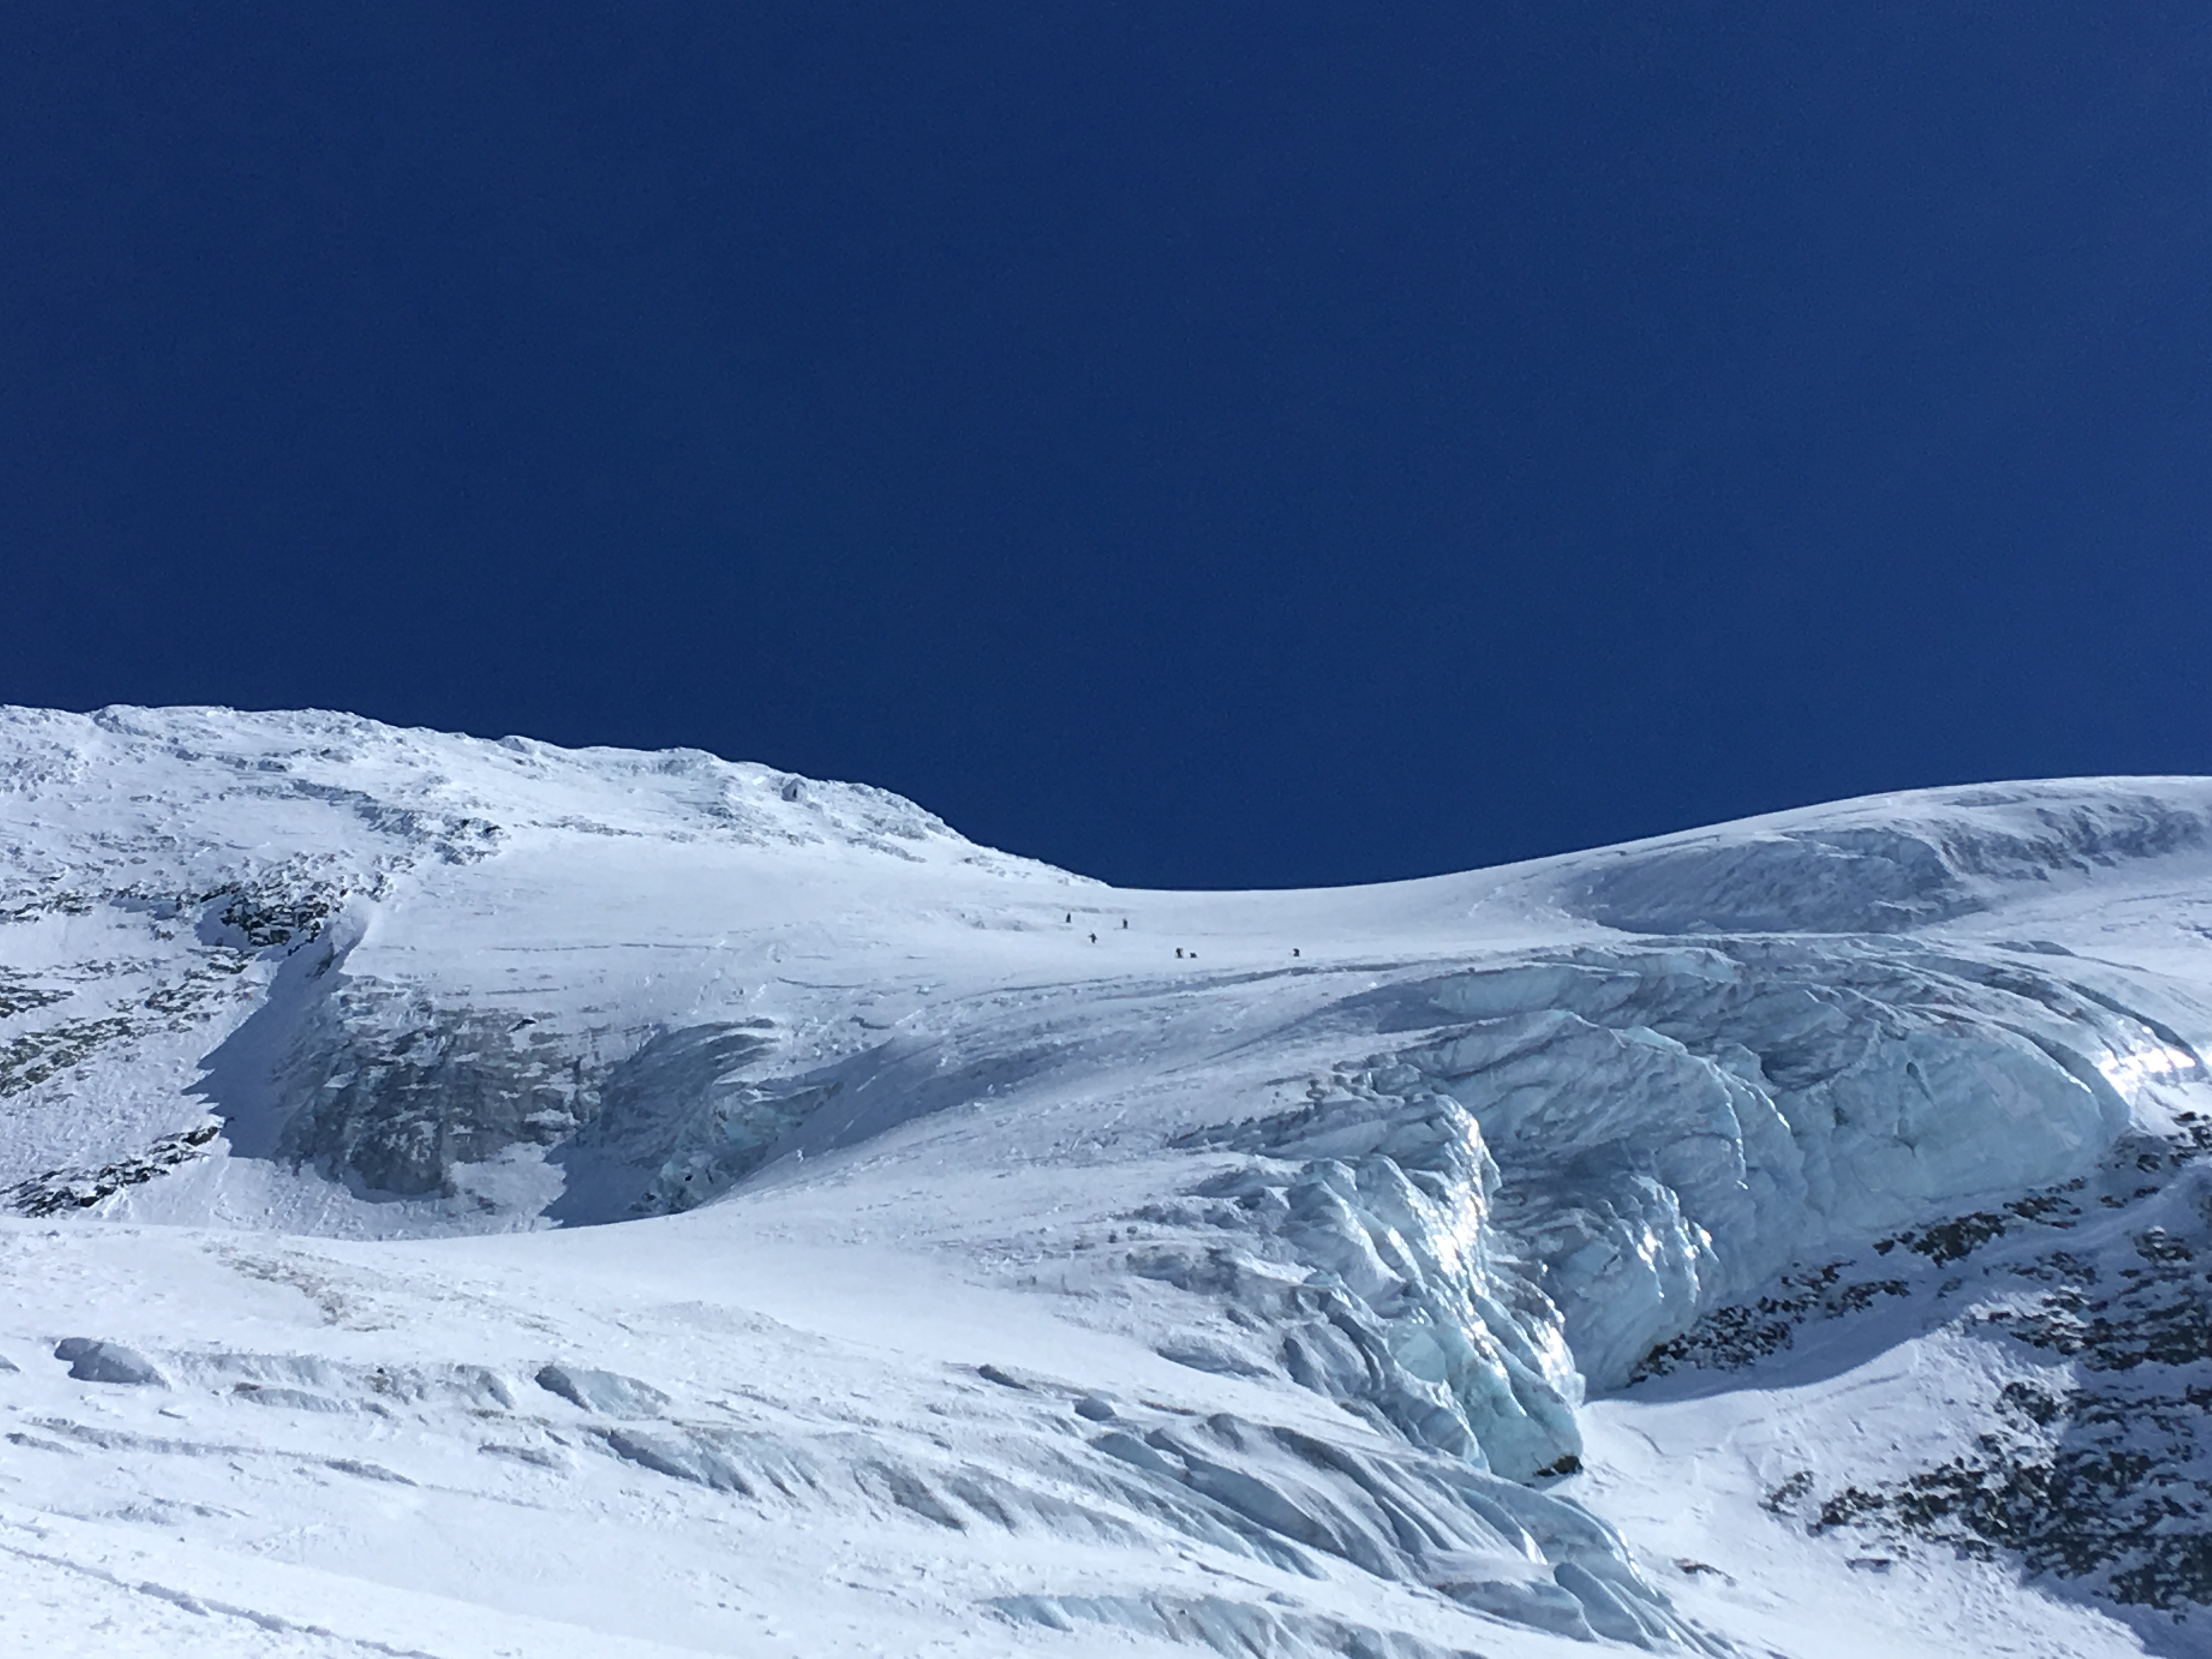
(475, 1196)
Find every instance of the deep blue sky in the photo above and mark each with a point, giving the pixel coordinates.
(1200, 445)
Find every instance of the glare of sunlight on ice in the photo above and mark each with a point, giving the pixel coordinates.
(2131, 1071)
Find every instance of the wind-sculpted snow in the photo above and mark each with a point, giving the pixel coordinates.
(332, 782)
(987, 1260)
(1274, 1496)
(1862, 871)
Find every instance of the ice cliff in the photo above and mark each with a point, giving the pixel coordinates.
(1455, 1164)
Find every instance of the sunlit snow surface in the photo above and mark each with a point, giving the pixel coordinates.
(472, 1198)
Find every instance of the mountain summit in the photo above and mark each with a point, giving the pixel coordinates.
(479, 1197)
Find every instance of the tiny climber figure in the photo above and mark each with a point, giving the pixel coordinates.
(1094, 939)
(1070, 916)
(1178, 953)
(1294, 950)
(1125, 924)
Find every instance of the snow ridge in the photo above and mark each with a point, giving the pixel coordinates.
(654, 1142)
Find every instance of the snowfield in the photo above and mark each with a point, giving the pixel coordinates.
(473, 1197)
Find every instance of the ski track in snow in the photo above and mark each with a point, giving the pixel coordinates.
(470, 1198)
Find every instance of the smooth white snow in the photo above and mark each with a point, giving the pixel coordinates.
(922, 1260)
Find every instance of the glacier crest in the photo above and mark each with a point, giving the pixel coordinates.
(1863, 873)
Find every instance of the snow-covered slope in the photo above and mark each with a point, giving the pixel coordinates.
(478, 1197)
